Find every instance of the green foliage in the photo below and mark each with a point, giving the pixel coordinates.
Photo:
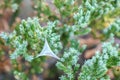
(91, 10)
(113, 28)
(20, 76)
(65, 7)
(41, 7)
(29, 39)
(30, 44)
(68, 64)
(97, 67)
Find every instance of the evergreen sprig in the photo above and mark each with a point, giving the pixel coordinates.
(68, 64)
(91, 10)
(97, 67)
(113, 28)
(28, 39)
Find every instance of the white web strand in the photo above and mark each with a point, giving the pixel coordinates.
(46, 51)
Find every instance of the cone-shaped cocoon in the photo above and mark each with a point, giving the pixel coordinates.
(46, 51)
